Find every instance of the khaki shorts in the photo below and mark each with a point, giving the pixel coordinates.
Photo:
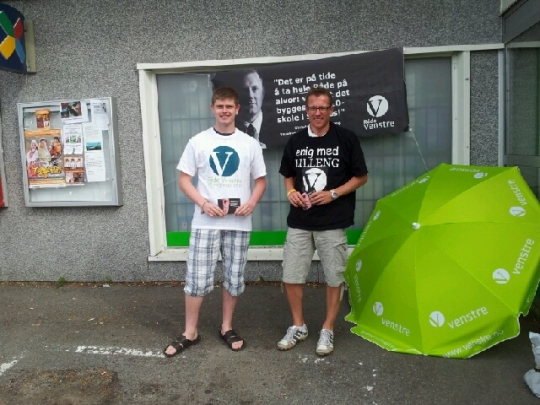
(299, 249)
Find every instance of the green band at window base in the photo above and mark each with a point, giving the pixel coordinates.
(272, 238)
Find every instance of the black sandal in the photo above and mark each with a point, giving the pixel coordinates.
(181, 343)
(231, 337)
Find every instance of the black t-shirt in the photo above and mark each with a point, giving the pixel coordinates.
(323, 163)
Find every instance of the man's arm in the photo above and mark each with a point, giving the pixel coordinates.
(258, 191)
(187, 187)
(325, 196)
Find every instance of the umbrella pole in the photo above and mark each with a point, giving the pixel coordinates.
(418, 147)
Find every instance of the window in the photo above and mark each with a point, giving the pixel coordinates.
(175, 105)
(393, 160)
(523, 106)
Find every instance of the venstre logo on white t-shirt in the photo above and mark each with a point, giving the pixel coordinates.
(224, 161)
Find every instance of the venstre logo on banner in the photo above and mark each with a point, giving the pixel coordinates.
(12, 48)
(368, 90)
(377, 107)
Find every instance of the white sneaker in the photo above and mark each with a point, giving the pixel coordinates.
(294, 335)
(325, 345)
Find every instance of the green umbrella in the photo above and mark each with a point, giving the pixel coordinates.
(447, 263)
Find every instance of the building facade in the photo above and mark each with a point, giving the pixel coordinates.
(154, 58)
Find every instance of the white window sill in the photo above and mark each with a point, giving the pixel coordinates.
(258, 254)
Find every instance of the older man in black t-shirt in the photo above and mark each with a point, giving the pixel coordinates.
(322, 166)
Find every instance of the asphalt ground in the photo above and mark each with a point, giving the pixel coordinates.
(89, 344)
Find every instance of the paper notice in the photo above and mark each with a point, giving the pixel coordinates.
(100, 119)
(95, 166)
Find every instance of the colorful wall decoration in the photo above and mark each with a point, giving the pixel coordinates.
(12, 45)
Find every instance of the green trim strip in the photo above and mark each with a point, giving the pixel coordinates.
(178, 238)
(353, 235)
(271, 238)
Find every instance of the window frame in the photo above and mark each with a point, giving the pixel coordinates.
(159, 251)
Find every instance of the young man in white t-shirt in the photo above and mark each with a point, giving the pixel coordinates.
(224, 160)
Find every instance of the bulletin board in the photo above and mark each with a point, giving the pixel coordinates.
(69, 152)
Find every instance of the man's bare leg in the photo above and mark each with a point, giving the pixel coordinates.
(193, 307)
(333, 295)
(295, 295)
(229, 305)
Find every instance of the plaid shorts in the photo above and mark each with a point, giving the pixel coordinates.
(205, 245)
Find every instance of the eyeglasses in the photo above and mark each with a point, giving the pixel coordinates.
(321, 109)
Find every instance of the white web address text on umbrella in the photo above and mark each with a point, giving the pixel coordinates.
(478, 341)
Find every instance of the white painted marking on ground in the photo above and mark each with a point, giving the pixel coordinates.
(6, 366)
(118, 350)
(319, 360)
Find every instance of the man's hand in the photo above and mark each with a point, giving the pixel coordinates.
(295, 198)
(212, 210)
(321, 197)
(244, 209)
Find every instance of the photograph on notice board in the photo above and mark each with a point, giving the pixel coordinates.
(73, 162)
(73, 139)
(73, 112)
(75, 178)
(44, 158)
(93, 146)
(75, 173)
(43, 119)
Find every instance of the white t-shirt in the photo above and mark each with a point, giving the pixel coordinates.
(224, 166)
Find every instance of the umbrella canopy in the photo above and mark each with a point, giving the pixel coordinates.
(447, 263)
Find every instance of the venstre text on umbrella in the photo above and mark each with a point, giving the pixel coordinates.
(515, 189)
(523, 256)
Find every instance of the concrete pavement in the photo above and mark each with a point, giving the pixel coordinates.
(96, 345)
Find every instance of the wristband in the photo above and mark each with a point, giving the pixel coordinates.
(202, 207)
(292, 190)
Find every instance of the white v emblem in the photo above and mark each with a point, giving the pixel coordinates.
(374, 110)
(217, 163)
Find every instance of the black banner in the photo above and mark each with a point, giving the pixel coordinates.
(368, 90)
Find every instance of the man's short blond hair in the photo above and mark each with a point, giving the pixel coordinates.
(222, 93)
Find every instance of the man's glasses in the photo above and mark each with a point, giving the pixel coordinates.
(321, 109)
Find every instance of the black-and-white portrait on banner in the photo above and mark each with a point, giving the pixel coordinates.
(368, 89)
